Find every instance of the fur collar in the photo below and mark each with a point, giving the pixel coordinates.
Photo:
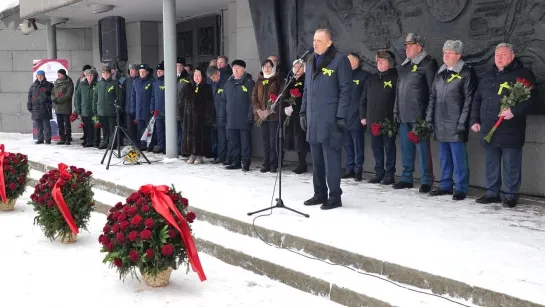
(419, 58)
(328, 57)
(457, 68)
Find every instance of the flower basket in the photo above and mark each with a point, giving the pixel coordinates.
(14, 172)
(63, 202)
(151, 232)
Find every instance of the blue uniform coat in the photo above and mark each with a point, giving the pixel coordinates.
(328, 87)
(142, 92)
(217, 90)
(158, 98)
(236, 103)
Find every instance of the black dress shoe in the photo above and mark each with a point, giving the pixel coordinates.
(425, 188)
(61, 142)
(245, 167)
(216, 162)
(402, 185)
(234, 166)
(331, 204)
(388, 180)
(274, 170)
(459, 196)
(485, 199)
(375, 179)
(510, 203)
(226, 163)
(38, 142)
(67, 143)
(264, 169)
(315, 201)
(440, 192)
(48, 142)
(348, 175)
(358, 177)
(300, 169)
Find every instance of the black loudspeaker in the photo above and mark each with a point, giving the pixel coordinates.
(112, 39)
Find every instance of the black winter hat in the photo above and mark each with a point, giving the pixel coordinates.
(161, 66)
(85, 67)
(62, 71)
(180, 61)
(143, 66)
(239, 63)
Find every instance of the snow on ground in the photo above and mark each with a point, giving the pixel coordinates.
(36, 271)
(482, 245)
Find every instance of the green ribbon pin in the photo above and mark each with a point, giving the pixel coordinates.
(196, 89)
(415, 67)
(162, 87)
(265, 82)
(220, 91)
(244, 88)
(356, 81)
(454, 76)
(147, 87)
(387, 84)
(184, 80)
(327, 72)
(298, 84)
(111, 88)
(502, 86)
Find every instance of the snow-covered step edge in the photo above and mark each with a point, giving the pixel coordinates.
(405, 275)
(334, 283)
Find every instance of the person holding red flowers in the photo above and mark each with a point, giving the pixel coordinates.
(376, 106)
(266, 90)
(503, 153)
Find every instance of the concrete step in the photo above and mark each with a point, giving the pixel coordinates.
(405, 275)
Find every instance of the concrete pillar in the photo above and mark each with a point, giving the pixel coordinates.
(51, 40)
(169, 43)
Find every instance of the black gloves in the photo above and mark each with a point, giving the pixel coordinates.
(303, 122)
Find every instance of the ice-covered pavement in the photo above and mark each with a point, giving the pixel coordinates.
(486, 246)
(38, 272)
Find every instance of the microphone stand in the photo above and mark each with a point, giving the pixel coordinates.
(280, 145)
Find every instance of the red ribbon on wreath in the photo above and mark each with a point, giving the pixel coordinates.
(59, 199)
(2, 183)
(162, 203)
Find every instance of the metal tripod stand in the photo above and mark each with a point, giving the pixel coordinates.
(116, 139)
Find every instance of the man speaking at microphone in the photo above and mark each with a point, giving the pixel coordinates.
(328, 84)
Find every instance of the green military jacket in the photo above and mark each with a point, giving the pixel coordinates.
(84, 98)
(106, 96)
(61, 96)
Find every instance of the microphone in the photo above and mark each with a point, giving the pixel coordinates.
(302, 58)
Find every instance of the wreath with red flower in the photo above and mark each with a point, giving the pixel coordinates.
(14, 168)
(63, 201)
(137, 236)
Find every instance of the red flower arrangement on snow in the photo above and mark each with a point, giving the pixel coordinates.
(13, 178)
(63, 201)
(151, 232)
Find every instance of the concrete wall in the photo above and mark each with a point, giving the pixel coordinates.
(16, 54)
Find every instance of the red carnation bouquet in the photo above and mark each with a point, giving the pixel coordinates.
(271, 106)
(96, 121)
(387, 128)
(63, 201)
(151, 232)
(520, 91)
(421, 131)
(73, 117)
(294, 94)
(14, 171)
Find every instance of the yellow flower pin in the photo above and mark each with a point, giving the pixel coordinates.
(415, 67)
(298, 84)
(502, 86)
(220, 91)
(356, 81)
(327, 72)
(111, 88)
(454, 76)
(244, 88)
(162, 87)
(387, 84)
(265, 82)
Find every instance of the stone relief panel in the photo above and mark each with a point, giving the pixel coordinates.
(185, 44)
(365, 26)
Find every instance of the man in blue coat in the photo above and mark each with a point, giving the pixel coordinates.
(353, 145)
(237, 113)
(158, 105)
(326, 98)
(142, 93)
(219, 79)
(503, 154)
